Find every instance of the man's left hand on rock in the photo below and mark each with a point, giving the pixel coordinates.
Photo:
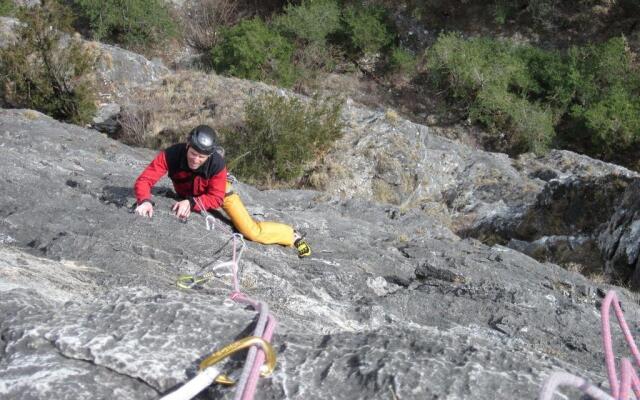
(182, 209)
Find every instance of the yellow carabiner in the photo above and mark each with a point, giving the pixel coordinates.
(189, 281)
(266, 370)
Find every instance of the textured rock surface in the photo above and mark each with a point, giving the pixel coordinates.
(553, 207)
(8, 27)
(121, 70)
(390, 304)
(620, 239)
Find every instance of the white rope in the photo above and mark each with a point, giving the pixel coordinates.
(196, 385)
(562, 378)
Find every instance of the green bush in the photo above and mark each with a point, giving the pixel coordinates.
(613, 121)
(7, 8)
(555, 81)
(309, 25)
(251, 50)
(467, 66)
(587, 95)
(494, 83)
(44, 72)
(312, 21)
(606, 103)
(131, 23)
(402, 61)
(365, 30)
(282, 134)
(529, 126)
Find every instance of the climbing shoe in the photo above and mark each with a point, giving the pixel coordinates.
(303, 247)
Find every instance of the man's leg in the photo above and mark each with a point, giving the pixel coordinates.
(261, 232)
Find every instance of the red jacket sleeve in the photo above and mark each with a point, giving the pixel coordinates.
(152, 174)
(214, 196)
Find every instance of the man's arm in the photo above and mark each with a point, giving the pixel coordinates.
(214, 195)
(147, 179)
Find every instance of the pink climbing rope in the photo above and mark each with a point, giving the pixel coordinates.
(620, 389)
(246, 387)
(611, 299)
(248, 382)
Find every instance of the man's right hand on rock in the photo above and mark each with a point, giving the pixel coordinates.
(145, 209)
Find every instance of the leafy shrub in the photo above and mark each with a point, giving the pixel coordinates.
(131, 23)
(45, 70)
(614, 120)
(7, 7)
(365, 29)
(555, 81)
(251, 50)
(530, 127)
(604, 108)
(281, 135)
(588, 95)
(203, 20)
(542, 11)
(402, 61)
(494, 82)
(312, 21)
(309, 25)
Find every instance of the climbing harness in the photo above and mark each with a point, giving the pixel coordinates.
(253, 369)
(208, 373)
(628, 377)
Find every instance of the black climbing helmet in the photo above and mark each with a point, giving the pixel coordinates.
(203, 139)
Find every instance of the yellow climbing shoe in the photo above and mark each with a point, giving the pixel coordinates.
(303, 247)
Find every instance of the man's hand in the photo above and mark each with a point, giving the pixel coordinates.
(182, 209)
(145, 209)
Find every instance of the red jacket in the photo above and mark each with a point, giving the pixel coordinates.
(206, 184)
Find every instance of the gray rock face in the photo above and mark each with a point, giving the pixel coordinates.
(8, 27)
(26, 3)
(390, 303)
(553, 207)
(620, 238)
(121, 70)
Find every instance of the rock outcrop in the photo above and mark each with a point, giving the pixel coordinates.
(392, 302)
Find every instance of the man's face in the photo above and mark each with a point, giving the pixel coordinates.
(195, 159)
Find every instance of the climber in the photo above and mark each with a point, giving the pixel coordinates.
(199, 176)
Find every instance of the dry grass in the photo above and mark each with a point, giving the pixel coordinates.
(574, 267)
(326, 172)
(598, 278)
(391, 116)
(384, 192)
(138, 121)
(319, 180)
(30, 114)
(204, 19)
(157, 115)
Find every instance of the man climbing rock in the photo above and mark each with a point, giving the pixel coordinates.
(199, 177)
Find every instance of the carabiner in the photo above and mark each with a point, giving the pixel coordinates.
(190, 281)
(266, 369)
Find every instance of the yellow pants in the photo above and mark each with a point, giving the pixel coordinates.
(261, 232)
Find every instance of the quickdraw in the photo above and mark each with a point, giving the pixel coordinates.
(192, 281)
(208, 373)
(249, 341)
(254, 363)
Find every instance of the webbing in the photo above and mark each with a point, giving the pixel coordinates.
(620, 389)
(196, 385)
(246, 386)
(208, 373)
